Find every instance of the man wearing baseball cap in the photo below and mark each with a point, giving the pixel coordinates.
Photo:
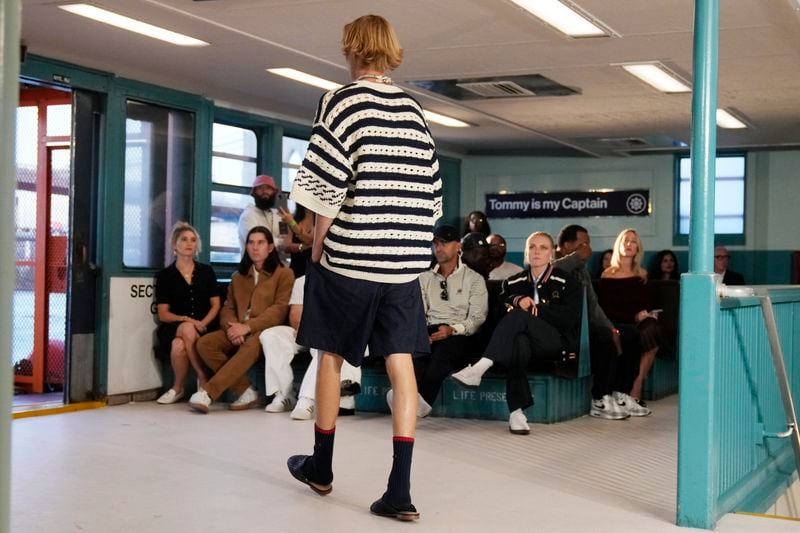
(456, 303)
(263, 213)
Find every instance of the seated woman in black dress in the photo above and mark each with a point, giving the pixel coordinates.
(623, 294)
(543, 317)
(188, 303)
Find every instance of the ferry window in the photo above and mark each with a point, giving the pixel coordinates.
(728, 198)
(159, 165)
(294, 150)
(234, 161)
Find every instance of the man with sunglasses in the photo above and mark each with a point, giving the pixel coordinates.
(456, 303)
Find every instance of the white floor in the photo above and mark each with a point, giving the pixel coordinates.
(150, 468)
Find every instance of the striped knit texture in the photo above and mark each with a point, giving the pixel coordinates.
(372, 166)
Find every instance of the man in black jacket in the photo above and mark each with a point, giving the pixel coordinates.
(721, 260)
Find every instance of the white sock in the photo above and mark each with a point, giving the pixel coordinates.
(518, 417)
(483, 365)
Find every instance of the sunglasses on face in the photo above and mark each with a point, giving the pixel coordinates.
(721, 257)
(444, 295)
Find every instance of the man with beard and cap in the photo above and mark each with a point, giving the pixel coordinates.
(456, 304)
(500, 269)
(263, 213)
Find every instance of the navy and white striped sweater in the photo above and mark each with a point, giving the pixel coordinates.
(371, 165)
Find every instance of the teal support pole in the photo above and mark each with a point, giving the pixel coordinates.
(698, 468)
(9, 98)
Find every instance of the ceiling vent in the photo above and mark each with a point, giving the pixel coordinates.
(496, 89)
(517, 86)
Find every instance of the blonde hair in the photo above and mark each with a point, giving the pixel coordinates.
(180, 227)
(527, 260)
(636, 264)
(372, 41)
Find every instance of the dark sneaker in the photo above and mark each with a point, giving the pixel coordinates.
(406, 513)
(297, 464)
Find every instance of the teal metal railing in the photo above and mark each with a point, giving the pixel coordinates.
(747, 468)
(753, 468)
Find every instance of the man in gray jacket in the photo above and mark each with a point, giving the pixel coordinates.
(456, 304)
(614, 352)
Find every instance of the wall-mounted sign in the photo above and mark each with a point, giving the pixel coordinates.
(572, 204)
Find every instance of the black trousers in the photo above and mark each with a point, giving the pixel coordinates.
(518, 340)
(604, 361)
(628, 363)
(447, 356)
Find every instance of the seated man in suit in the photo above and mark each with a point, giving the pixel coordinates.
(721, 260)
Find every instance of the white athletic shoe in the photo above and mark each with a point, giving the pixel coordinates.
(518, 423)
(608, 408)
(304, 410)
(629, 405)
(200, 401)
(468, 376)
(281, 403)
(248, 399)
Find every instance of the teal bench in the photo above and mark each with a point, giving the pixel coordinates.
(556, 398)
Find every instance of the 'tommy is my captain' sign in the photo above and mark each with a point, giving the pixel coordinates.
(627, 203)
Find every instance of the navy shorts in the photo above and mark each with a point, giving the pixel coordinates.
(344, 315)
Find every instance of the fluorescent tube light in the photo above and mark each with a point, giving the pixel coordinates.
(302, 77)
(444, 120)
(322, 83)
(726, 120)
(136, 26)
(563, 17)
(657, 75)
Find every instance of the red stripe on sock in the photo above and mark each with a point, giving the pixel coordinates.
(325, 431)
(402, 439)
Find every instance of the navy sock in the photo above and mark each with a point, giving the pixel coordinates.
(322, 459)
(398, 490)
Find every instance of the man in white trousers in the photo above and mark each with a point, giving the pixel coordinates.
(280, 348)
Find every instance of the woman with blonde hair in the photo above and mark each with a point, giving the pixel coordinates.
(187, 301)
(543, 306)
(624, 295)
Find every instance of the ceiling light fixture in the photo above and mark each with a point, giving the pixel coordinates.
(725, 119)
(136, 26)
(327, 85)
(655, 74)
(444, 120)
(302, 77)
(566, 17)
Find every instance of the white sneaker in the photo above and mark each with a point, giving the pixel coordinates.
(423, 407)
(200, 401)
(304, 410)
(518, 423)
(281, 403)
(389, 398)
(247, 400)
(468, 376)
(630, 405)
(347, 402)
(169, 397)
(608, 408)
